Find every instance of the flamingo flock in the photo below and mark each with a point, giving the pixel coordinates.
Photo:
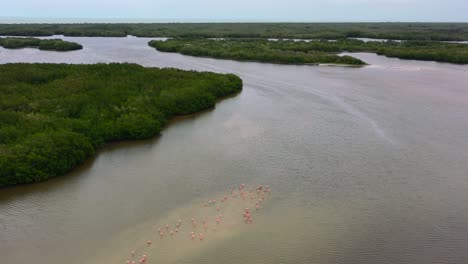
(255, 195)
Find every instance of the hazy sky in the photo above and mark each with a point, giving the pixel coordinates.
(242, 10)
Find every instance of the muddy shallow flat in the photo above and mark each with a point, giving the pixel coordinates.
(367, 165)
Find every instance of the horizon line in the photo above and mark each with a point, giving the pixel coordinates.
(83, 20)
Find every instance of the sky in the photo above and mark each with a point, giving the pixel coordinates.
(235, 10)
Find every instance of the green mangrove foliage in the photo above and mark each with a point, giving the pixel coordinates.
(42, 44)
(288, 51)
(252, 50)
(407, 31)
(416, 50)
(54, 116)
(428, 51)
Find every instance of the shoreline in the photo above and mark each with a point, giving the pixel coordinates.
(109, 146)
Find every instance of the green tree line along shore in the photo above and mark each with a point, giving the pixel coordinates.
(395, 31)
(42, 44)
(54, 116)
(301, 52)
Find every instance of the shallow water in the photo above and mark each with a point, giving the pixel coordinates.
(367, 165)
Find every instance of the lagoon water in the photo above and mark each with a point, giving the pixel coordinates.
(367, 165)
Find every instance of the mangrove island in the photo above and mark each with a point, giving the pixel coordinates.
(42, 44)
(259, 50)
(54, 116)
(313, 52)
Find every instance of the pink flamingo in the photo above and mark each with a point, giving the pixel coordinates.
(148, 242)
(201, 237)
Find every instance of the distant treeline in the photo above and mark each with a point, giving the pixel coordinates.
(288, 51)
(54, 116)
(261, 50)
(401, 31)
(42, 44)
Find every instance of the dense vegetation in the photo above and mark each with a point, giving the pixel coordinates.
(406, 31)
(54, 116)
(288, 51)
(42, 44)
(424, 50)
(417, 50)
(252, 50)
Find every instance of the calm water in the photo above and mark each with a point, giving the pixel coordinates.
(367, 165)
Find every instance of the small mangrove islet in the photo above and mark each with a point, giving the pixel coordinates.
(42, 44)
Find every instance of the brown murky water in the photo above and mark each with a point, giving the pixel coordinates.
(367, 165)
